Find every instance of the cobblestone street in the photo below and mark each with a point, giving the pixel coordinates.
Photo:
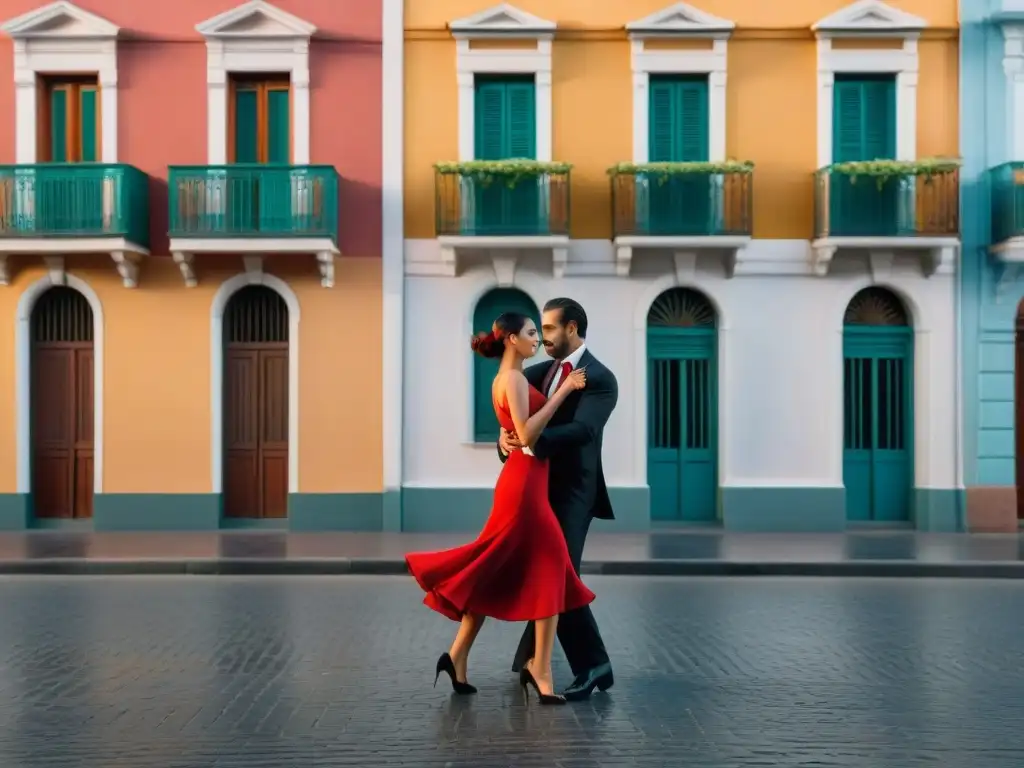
(166, 672)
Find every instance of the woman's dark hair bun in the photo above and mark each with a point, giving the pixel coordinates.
(493, 344)
(488, 344)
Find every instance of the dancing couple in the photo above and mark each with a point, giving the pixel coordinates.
(524, 565)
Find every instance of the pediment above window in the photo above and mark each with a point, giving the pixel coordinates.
(869, 17)
(503, 20)
(61, 20)
(255, 19)
(679, 19)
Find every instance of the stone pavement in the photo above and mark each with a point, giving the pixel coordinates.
(679, 552)
(263, 672)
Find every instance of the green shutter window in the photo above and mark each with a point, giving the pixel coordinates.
(246, 126)
(863, 128)
(677, 132)
(492, 304)
(278, 134)
(506, 128)
(59, 125)
(87, 124)
(678, 119)
(863, 118)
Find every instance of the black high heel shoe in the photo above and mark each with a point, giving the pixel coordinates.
(445, 664)
(526, 678)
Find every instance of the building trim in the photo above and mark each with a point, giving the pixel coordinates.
(869, 18)
(256, 37)
(23, 374)
(224, 293)
(681, 21)
(61, 37)
(393, 251)
(503, 22)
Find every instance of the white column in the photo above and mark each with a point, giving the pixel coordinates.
(1013, 67)
(25, 121)
(716, 112)
(108, 117)
(216, 104)
(467, 105)
(544, 112)
(300, 116)
(826, 82)
(641, 113)
(906, 115)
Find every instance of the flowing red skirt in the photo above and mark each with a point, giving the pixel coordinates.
(518, 568)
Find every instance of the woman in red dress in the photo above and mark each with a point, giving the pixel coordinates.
(518, 568)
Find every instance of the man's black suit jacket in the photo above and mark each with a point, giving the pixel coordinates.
(572, 441)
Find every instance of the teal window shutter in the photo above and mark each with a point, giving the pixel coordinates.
(59, 125)
(246, 126)
(863, 118)
(863, 128)
(506, 128)
(87, 115)
(492, 304)
(677, 119)
(278, 134)
(677, 132)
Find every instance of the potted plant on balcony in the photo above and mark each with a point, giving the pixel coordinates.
(682, 198)
(505, 197)
(887, 204)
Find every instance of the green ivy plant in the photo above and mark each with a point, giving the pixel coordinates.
(663, 171)
(510, 172)
(884, 170)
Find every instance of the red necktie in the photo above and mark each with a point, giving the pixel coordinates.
(566, 370)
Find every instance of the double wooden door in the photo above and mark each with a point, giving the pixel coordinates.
(256, 405)
(62, 402)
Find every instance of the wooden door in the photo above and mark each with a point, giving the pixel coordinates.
(62, 403)
(682, 408)
(1019, 408)
(256, 405)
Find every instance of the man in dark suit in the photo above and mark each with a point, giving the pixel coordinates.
(577, 491)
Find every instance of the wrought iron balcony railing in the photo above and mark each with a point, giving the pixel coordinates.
(253, 200)
(473, 205)
(709, 204)
(85, 200)
(909, 205)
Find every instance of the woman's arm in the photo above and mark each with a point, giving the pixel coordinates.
(528, 428)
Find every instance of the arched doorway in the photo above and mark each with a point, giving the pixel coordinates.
(490, 305)
(682, 407)
(878, 407)
(256, 404)
(62, 405)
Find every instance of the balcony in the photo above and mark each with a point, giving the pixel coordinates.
(684, 208)
(501, 208)
(58, 209)
(885, 206)
(1006, 183)
(253, 209)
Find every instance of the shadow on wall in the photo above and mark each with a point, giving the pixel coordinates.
(359, 218)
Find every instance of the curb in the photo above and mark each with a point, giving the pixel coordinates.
(381, 567)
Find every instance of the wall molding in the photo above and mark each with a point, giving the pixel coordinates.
(503, 22)
(874, 19)
(256, 37)
(23, 374)
(685, 21)
(61, 37)
(227, 289)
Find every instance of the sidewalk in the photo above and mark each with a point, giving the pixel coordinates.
(660, 553)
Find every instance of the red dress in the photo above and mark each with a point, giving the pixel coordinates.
(518, 569)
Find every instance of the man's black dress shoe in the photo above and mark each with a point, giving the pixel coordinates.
(599, 677)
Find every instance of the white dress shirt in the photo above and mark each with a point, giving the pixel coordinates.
(573, 360)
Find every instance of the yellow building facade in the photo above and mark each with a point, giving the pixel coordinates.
(775, 268)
